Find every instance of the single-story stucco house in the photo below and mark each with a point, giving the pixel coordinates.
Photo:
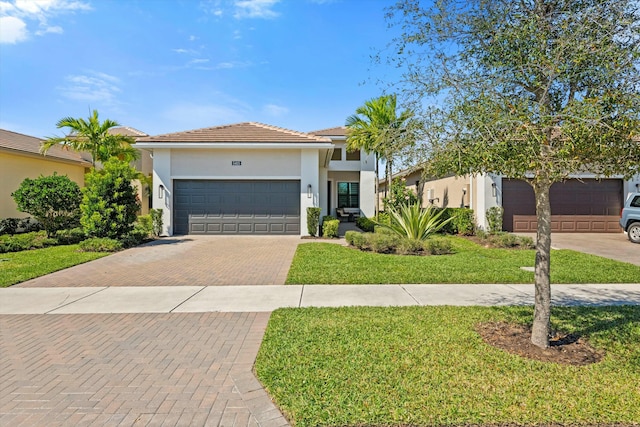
(579, 204)
(254, 178)
(20, 158)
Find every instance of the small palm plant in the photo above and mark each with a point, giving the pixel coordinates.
(414, 222)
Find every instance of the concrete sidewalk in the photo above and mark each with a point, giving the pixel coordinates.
(203, 299)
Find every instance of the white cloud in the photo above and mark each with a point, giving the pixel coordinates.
(255, 9)
(275, 110)
(53, 30)
(16, 17)
(193, 38)
(12, 30)
(91, 87)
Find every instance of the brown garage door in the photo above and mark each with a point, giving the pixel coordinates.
(588, 205)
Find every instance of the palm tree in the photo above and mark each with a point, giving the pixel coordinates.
(93, 137)
(377, 128)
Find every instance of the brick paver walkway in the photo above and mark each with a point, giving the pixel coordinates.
(186, 261)
(133, 369)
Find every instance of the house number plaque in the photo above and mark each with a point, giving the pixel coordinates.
(236, 163)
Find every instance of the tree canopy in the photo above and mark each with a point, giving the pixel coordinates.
(538, 90)
(378, 128)
(94, 137)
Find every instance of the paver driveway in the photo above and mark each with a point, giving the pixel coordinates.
(179, 369)
(185, 261)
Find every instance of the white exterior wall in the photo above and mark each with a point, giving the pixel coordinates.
(217, 164)
(310, 176)
(367, 193)
(322, 186)
(487, 195)
(162, 177)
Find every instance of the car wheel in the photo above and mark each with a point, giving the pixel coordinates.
(634, 232)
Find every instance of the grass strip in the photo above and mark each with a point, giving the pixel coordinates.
(16, 267)
(427, 366)
(327, 263)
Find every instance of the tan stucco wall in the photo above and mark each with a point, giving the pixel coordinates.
(15, 168)
(450, 192)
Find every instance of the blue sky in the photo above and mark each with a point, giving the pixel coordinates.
(165, 66)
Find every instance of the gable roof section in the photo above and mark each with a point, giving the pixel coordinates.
(30, 145)
(247, 132)
(126, 131)
(336, 131)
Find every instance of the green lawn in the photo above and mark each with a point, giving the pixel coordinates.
(16, 267)
(329, 263)
(427, 366)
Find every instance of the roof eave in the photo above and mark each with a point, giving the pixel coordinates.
(241, 145)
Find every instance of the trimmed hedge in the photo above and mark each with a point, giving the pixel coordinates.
(387, 243)
(330, 228)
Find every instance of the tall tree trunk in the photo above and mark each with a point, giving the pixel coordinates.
(542, 310)
(377, 189)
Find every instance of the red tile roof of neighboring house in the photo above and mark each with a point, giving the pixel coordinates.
(248, 132)
(20, 143)
(336, 131)
(127, 131)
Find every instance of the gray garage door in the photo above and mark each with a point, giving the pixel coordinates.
(236, 207)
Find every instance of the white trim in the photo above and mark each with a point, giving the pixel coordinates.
(236, 145)
(235, 178)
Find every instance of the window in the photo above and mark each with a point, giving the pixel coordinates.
(337, 154)
(348, 195)
(353, 155)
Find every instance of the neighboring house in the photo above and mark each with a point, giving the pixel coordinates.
(143, 164)
(579, 204)
(20, 158)
(253, 178)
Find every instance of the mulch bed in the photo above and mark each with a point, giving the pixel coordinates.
(565, 349)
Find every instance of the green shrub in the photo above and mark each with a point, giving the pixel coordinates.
(358, 240)
(313, 221)
(437, 247)
(156, 219)
(410, 247)
(110, 202)
(383, 243)
(29, 224)
(383, 218)
(365, 224)
(9, 225)
(25, 241)
(463, 221)
(100, 244)
(71, 236)
(506, 240)
(330, 228)
(53, 200)
(328, 218)
(494, 219)
(144, 223)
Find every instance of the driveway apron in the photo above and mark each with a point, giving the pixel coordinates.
(185, 261)
(178, 369)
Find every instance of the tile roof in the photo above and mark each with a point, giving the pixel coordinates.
(247, 132)
(17, 142)
(336, 131)
(126, 131)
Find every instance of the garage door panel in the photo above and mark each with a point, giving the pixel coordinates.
(237, 207)
(576, 206)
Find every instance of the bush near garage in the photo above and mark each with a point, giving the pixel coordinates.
(53, 200)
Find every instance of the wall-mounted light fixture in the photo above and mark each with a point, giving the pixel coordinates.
(309, 191)
(160, 191)
(493, 189)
